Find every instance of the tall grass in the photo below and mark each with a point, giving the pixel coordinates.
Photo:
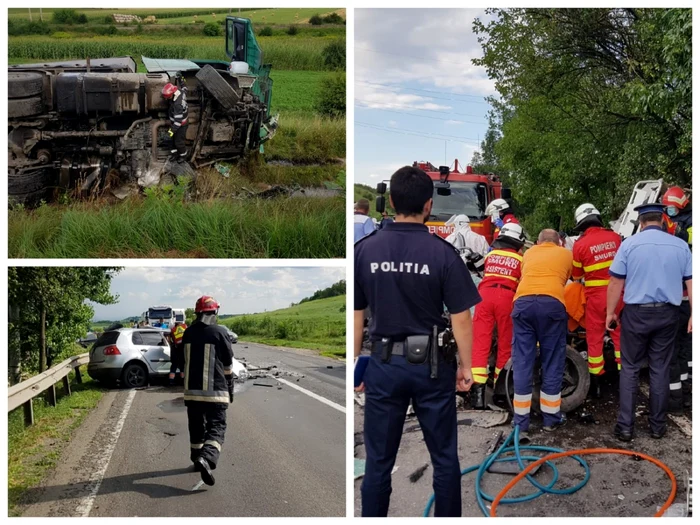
(167, 227)
(307, 139)
(282, 52)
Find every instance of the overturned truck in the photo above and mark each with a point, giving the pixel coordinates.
(97, 123)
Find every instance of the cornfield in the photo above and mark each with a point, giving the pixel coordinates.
(283, 53)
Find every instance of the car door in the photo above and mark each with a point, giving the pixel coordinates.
(154, 349)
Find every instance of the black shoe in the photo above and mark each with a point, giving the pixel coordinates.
(594, 389)
(478, 397)
(658, 435)
(676, 407)
(623, 435)
(203, 466)
(558, 424)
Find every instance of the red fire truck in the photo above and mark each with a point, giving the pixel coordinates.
(458, 192)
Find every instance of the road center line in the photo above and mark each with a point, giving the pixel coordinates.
(311, 394)
(196, 487)
(103, 458)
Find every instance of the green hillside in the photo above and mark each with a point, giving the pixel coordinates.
(362, 191)
(316, 325)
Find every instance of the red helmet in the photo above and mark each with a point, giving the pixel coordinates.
(675, 196)
(206, 303)
(169, 90)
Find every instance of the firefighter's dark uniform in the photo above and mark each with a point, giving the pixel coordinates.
(208, 385)
(682, 361)
(407, 276)
(177, 113)
(654, 266)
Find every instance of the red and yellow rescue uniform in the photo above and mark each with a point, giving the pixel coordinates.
(594, 252)
(177, 332)
(502, 269)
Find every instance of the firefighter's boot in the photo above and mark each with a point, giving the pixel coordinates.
(478, 397)
(594, 389)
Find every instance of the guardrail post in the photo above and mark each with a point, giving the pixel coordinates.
(66, 384)
(78, 377)
(28, 414)
(51, 394)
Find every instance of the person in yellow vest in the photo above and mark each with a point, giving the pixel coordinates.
(176, 353)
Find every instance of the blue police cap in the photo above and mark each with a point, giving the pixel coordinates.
(652, 207)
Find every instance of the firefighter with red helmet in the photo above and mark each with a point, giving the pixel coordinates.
(177, 355)
(208, 385)
(501, 213)
(177, 113)
(594, 252)
(679, 221)
(501, 270)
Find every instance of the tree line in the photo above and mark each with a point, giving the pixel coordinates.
(590, 101)
(332, 291)
(49, 311)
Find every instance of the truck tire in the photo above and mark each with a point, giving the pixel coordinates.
(29, 187)
(215, 84)
(24, 107)
(22, 84)
(574, 389)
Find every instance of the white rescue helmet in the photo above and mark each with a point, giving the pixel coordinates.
(513, 231)
(496, 205)
(585, 211)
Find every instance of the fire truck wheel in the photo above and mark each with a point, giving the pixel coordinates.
(24, 107)
(22, 84)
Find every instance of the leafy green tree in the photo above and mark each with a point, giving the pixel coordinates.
(51, 311)
(590, 102)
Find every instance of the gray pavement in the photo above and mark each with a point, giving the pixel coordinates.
(284, 453)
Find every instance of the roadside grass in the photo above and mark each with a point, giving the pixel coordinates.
(298, 53)
(314, 325)
(159, 226)
(307, 138)
(34, 451)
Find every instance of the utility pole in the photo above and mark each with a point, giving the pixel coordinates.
(41, 14)
(445, 153)
(30, 14)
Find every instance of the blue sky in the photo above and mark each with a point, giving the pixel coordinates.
(417, 94)
(238, 290)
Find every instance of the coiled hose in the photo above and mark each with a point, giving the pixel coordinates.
(514, 438)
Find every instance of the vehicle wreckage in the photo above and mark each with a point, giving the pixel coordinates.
(98, 123)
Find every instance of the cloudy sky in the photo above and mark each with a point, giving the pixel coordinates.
(238, 290)
(417, 94)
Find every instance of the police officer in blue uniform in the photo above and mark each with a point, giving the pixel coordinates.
(407, 277)
(652, 267)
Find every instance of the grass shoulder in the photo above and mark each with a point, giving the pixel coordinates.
(34, 451)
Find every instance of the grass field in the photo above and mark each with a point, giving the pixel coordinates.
(316, 325)
(34, 451)
(295, 53)
(185, 16)
(162, 227)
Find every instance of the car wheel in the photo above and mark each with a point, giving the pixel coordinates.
(22, 84)
(134, 375)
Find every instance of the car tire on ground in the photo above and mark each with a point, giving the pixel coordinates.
(24, 107)
(29, 187)
(134, 375)
(22, 84)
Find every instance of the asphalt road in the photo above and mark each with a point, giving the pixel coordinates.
(619, 486)
(284, 453)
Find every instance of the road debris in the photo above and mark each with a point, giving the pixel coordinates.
(418, 473)
(262, 384)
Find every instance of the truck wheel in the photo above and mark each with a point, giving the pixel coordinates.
(134, 375)
(24, 107)
(24, 84)
(574, 387)
(29, 187)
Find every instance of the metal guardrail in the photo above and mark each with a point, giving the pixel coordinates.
(23, 393)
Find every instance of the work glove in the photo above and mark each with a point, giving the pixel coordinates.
(498, 222)
(170, 132)
(229, 384)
